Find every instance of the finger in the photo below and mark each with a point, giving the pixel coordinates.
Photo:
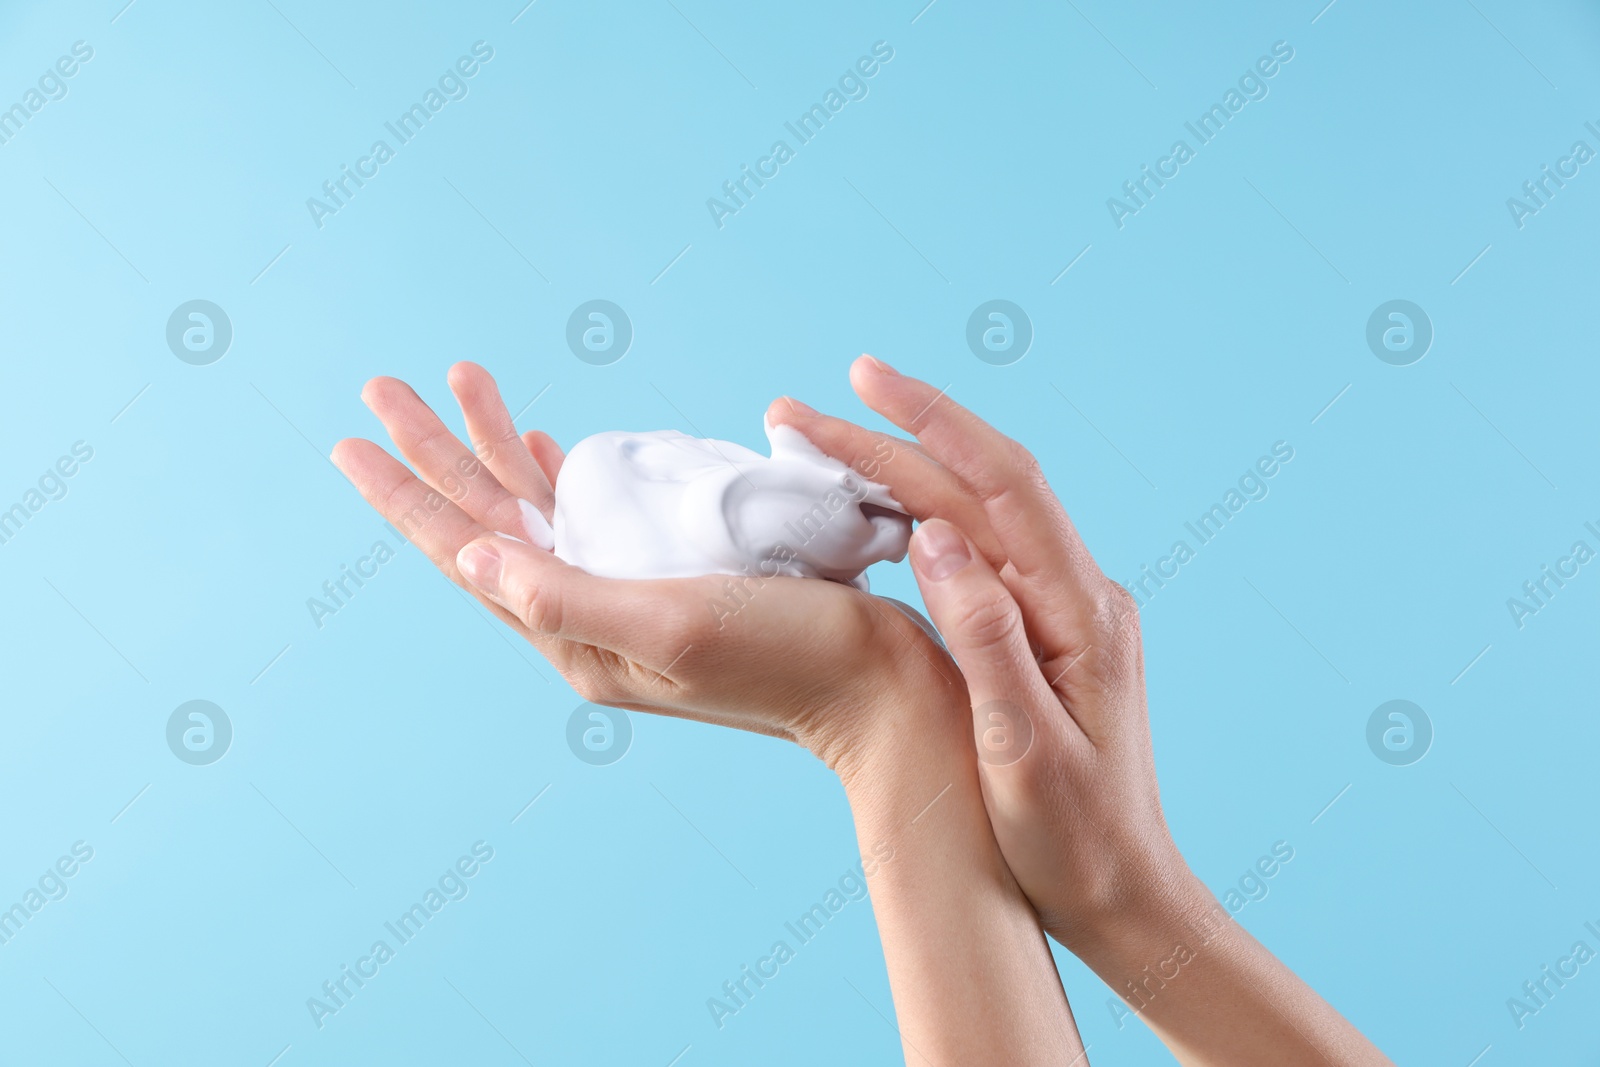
(641, 620)
(421, 514)
(982, 626)
(440, 458)
(921, 485)
(1054, 577)
(495, 439)
(425, 518)
(546, 453)
(861, 444)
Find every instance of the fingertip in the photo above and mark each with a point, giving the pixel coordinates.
(869, 366)
(862, 368)
(868, 374)
(340, 453)
(381, 390)
(480, 562)
(540, 442)
(939, 549)
(354, 455)
(465, 373)
(786, 410)
(507, 549)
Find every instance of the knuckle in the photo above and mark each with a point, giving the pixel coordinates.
(1117, 622)
(1024, 463)
(488, 448)
(539, 608)
(432, 435)
(589, 673)
(638, 678)
(591, 687)
(579, 680)
(1118, 606)
(1016, 489)
(393, 496)
(988, 620)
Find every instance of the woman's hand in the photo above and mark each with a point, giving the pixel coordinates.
(843, 673)
(1049, 647)
(1051, 653)
(815, 662)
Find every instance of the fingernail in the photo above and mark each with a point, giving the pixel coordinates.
(881, 366)
(480, 562)
(800, 406)
(539, 531)
(938, 550)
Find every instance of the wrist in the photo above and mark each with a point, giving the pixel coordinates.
(908, 712)
(899, 744)
(1165, 918)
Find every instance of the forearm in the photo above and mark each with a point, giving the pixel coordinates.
(970, 970)
(1209, 990)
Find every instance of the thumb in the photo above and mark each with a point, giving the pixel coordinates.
(983, 629)
(552, 599)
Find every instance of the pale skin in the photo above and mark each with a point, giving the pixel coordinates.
(1069, 836)
(1043, 636)
(819, 663)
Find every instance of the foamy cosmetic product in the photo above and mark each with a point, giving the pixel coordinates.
(662, 504)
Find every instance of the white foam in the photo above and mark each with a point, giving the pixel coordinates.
(662, 504)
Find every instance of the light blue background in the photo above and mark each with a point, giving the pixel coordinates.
(1225, 316)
